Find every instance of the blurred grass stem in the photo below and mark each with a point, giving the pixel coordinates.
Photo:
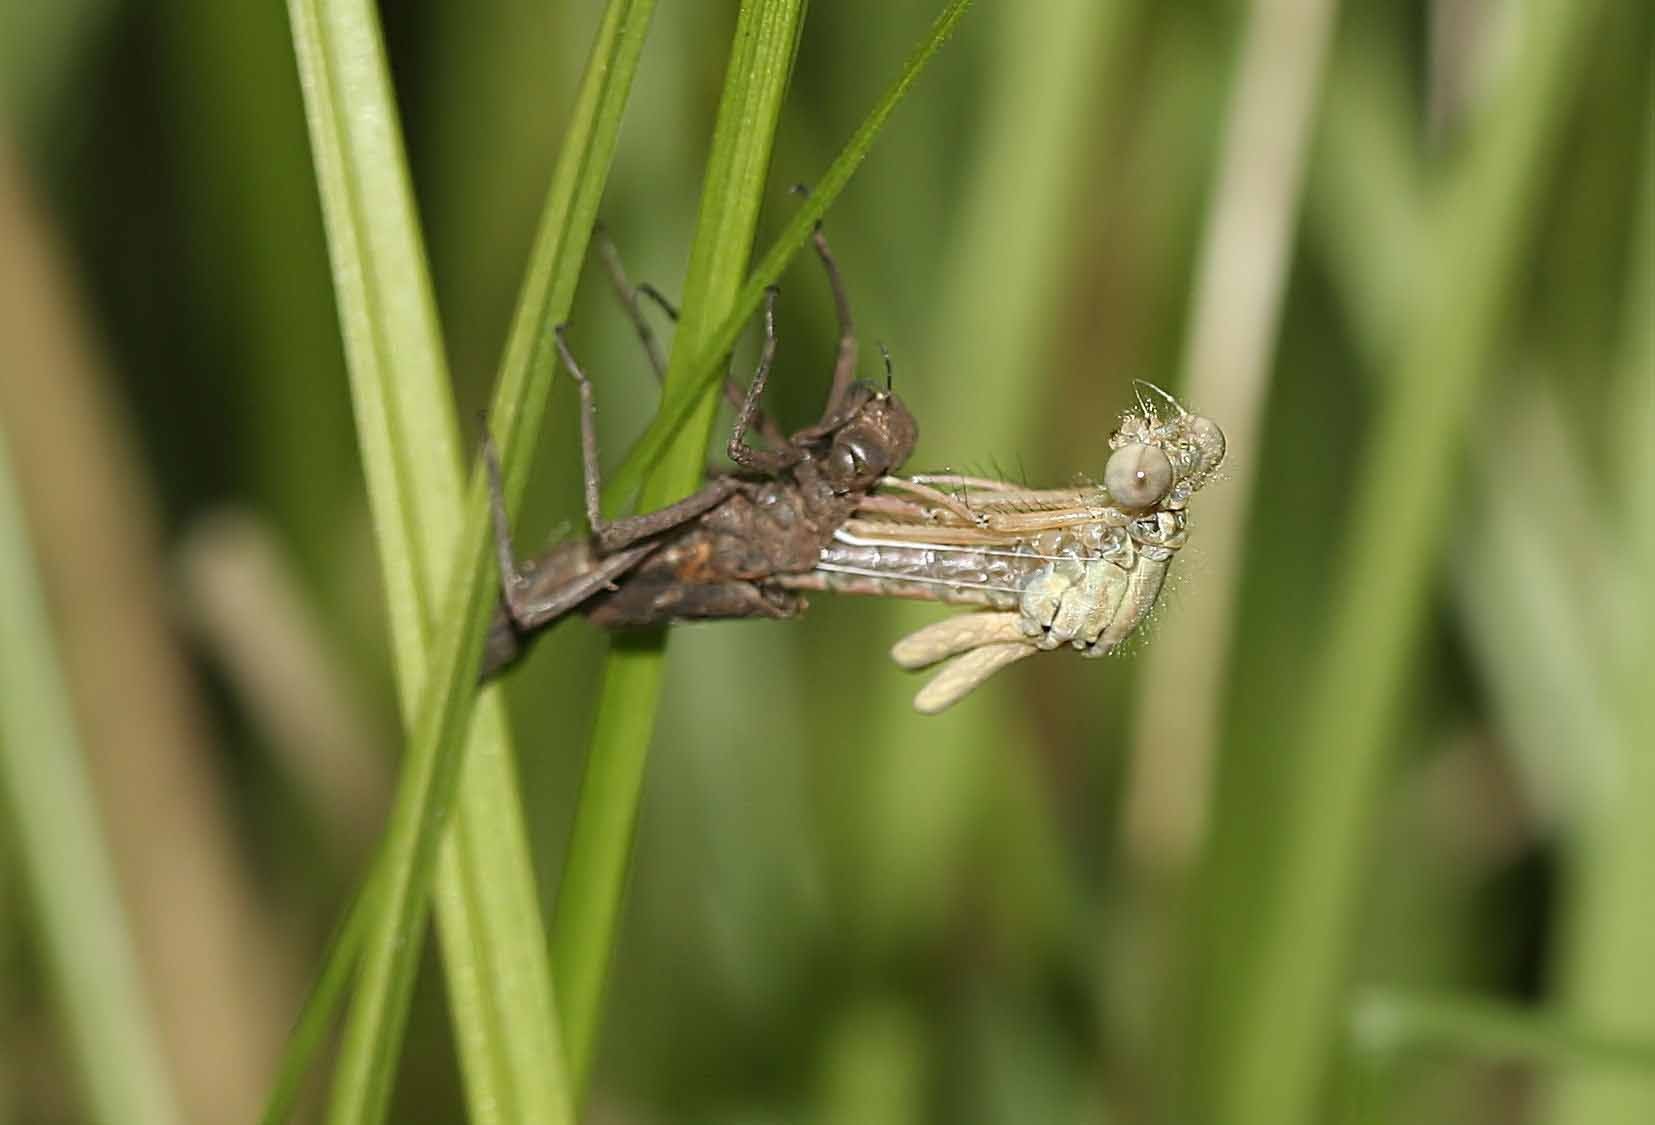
(1607, 973)
(1392, 1023)
(1350, 714)
(248, 606)
(218, 979)
(1240, 281)
(1538, 599)
(49, 801)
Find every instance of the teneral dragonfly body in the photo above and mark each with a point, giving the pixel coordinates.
(1081, 567)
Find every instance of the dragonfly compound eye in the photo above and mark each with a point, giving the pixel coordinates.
(1208, 440)
(848, 464)
(1137, 476)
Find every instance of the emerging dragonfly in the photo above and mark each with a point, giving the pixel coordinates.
(822, 510)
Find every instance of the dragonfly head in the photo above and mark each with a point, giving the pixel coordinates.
(1160, 462)
(875, 438)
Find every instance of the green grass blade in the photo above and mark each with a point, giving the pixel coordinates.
(1527, 590)
(587, 912)
(682, 399)
(46, 795)
(408, 435)
(1518, 595)
(588, 903)
(717, 310)
(1525, 601)
(1637, 381)
(1388, 1023)
(1240, 288)
(1366, 195)
(1605, 975)
(1348, 720)
(566, 222)
(315, 1017)
(486, 897)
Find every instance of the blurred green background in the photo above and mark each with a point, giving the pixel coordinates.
(1362, 829)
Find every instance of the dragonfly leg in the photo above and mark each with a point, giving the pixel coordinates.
(762, 460)
(630, 298)
(534, 597)
(662, 301)
(629, 295)
(961, 508)
(1043, 596)
(960, 480)
(1088, 605)
(612, 536)
(844, 364)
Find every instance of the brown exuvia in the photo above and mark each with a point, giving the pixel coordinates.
(720, 552)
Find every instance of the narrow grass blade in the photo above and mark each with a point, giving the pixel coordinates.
(409, 438)
(494, 941)
(1550, 663)
(589, 895)
(1637, 380)
(683, 398)
(1240, 286)
(1518, 596)
(1527, 590)
(1390, 1023)
(311, 1028)
(47, 798)
(1366, 199)
(1605, 973)
(717, 309)
(1348, 721)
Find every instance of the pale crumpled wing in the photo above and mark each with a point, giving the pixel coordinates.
(960, 633)
(979, 645)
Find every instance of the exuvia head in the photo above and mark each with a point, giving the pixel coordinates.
(1161, 463)
(876, 437)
